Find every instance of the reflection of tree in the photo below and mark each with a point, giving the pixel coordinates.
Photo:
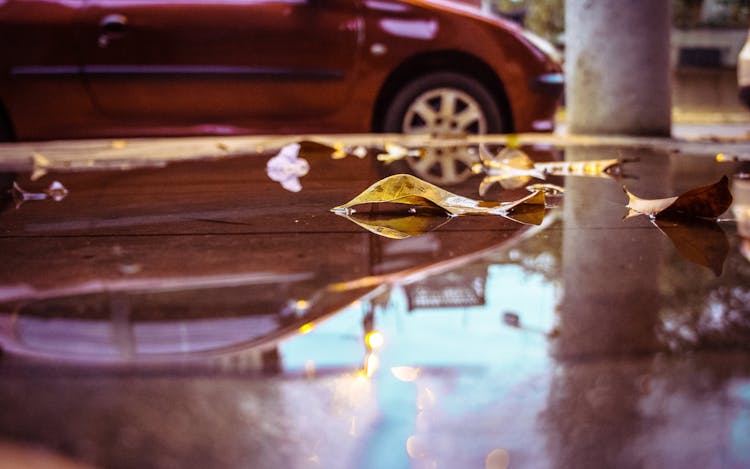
(545, 18)
(701, 311)
(725, 13)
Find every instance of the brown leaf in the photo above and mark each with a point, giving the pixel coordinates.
(702, 202)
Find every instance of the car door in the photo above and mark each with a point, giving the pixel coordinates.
(191, 62)
(40, 81)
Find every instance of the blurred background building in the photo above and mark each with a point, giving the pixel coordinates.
(706, 39)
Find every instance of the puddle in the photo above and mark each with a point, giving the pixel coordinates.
(399, 321)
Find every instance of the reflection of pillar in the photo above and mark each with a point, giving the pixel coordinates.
(617, 66)
(608, 314)
(610, 266)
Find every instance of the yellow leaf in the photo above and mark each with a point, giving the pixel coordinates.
(410, 190)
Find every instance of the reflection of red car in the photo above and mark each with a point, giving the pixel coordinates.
(87, 68)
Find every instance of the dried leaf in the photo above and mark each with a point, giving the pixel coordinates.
(594, 168)
(700, 241)
(410, 190)
(55, 191)
(287, 167)
(40, 165)
(703, 202)
(724, 158)
(341, 151)
(394, 152)
(511, 168)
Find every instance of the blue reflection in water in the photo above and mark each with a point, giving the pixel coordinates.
(740, 428)
(438, 367)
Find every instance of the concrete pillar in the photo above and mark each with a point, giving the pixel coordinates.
(617, 66)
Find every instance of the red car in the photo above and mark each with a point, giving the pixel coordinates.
(108, 68)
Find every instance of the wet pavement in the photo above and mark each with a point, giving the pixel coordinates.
(216, 313)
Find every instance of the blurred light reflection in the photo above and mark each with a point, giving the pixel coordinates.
(372, 362)
(374, 340)
(497, 459)
(406, 374)
(306, 328)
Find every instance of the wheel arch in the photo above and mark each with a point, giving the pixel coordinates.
(441, 61)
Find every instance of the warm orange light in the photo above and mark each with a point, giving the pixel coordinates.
(374, 340)
(306, 328)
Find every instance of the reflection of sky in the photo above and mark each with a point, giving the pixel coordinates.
(739, 451)
(440, 337)
(334, 343)
(463, 365)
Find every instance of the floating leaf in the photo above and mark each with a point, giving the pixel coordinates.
(395, 152)
(703, 202)
(40, 164)
(594, 168)
(410, 190)
(56, 191)
(341, 151)
(700, 241)
(724, 158)
(511, 168)
(287, 167)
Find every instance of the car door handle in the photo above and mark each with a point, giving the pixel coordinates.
(113, 26)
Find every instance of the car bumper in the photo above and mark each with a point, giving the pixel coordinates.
(550, 84)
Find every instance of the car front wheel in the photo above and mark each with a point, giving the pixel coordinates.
(443, 104)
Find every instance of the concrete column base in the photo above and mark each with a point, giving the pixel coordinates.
(617, 65)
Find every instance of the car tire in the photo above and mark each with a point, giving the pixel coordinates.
(443, 104)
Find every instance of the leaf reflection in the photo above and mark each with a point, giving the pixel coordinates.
(702, 242)
(391, 225)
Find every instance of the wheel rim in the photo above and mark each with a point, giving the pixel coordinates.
(444, 112)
